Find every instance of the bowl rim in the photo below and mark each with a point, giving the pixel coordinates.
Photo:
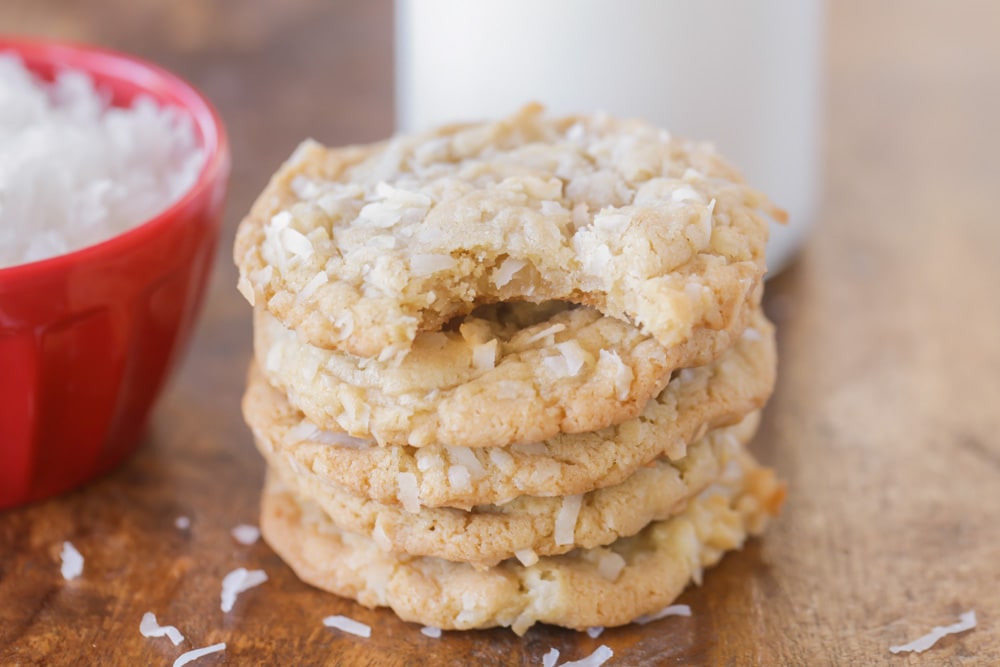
(101, 62)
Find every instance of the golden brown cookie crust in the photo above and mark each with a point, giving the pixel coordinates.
(695, 401)
(360, 248)
(605, 586)
(487, 383)
(528, 526)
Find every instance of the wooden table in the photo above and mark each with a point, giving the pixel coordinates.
(885, 421)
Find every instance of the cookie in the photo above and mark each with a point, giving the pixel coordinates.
(605, 586)
(529, 526)
(695, 400)
(360, 248)
(488, 382)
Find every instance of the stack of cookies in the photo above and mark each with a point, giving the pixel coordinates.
(504, 373)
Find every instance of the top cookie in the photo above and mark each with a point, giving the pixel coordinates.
(360, 248)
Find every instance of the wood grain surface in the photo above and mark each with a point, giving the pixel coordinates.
(886, 420)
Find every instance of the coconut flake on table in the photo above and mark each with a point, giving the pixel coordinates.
(431, 631)
(967, 621)
(72, 562)
(194, 654)
(551, 658)
(595, 631)
(595, 659)
(672, 610)
(149, 627)
(182, 523)
(75, 171)
(236, 582)
(348, 625)
(245, 533)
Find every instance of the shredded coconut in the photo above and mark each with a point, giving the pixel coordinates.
(547, 331)
(246, 289)
(314, 284)
(182, 523)
(381, 539)
(236, 582)
(672, 610)
(194, 654)
(569, 361)
(304, 430)
(458, 477)
(409, 492)
(707, 220)
(505, 272)
(296, 243)
(566, 519)
(967, 621)
(575, 355)
(484, 355)
(72, 562)
(466, 457)
(424, 265)
(595, 659)
(595, 631)
(148, 627)
(431, 631)
(610, 565)
(527, 557)
(428, 460)
(623, 374)
(341, 439)
(501, 459)
(246, 534)
(348, 625)
(75, 171)
(551, 658)
(274, 356)
(536, 448)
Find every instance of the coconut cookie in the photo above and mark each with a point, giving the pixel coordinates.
(360, 248)
(605, 586)
(695, 401)
(491, 380)
(528, 526)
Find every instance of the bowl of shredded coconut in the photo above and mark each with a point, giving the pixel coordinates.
(113, 174)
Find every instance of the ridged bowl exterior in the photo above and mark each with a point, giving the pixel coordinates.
(88, 339)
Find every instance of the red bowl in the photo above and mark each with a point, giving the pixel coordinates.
(88, 338)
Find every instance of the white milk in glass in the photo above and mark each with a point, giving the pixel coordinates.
(745, 74)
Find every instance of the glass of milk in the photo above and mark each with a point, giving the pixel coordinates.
(745, 74)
